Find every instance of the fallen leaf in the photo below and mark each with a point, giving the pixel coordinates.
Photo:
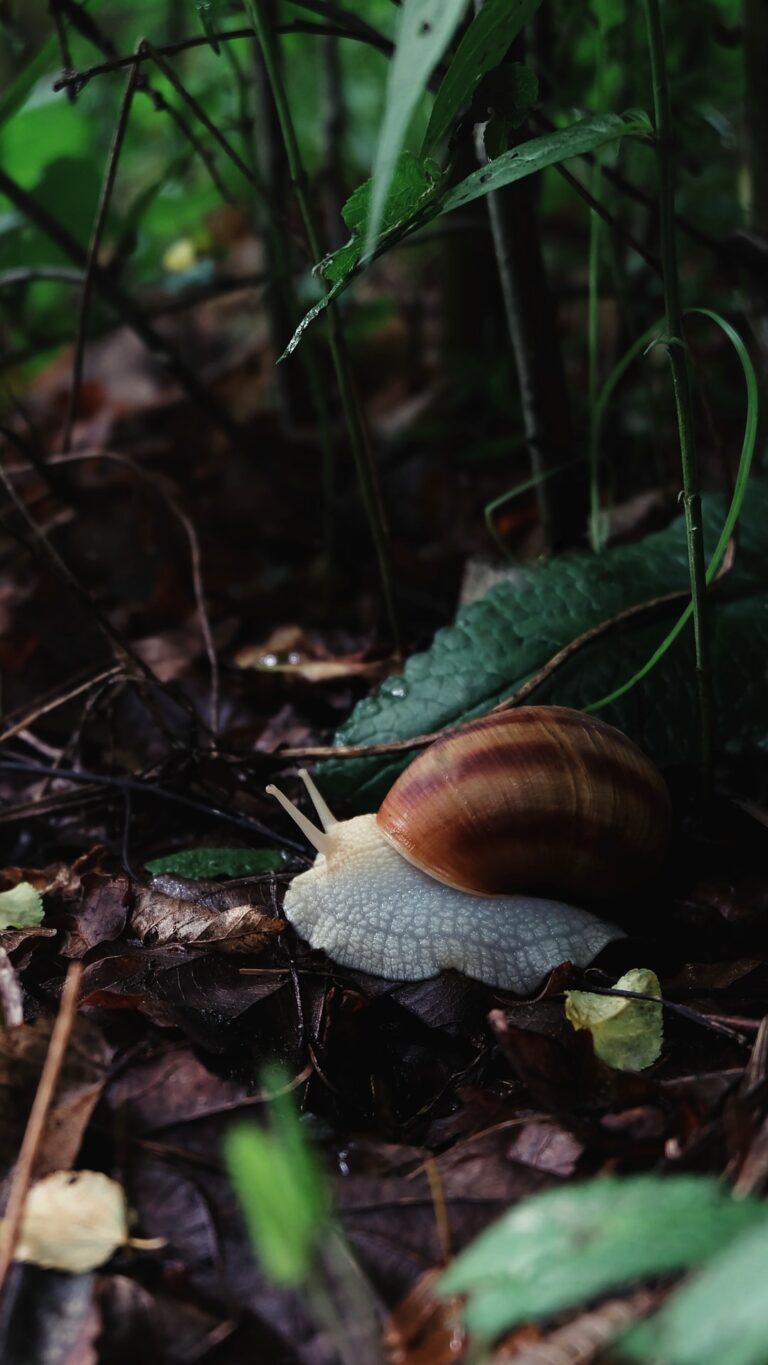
(627, 1034)
(21, 908)
(159, 919)
(74, 1221)
(84, 1073)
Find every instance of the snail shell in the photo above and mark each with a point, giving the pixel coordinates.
(541, 799)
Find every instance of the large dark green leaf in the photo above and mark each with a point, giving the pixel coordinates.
(500, 641)
(564, 1247)
(481, 49)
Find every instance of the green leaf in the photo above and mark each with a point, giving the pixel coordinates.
(627, 1034)
(483, 46)
(21, 907)
(720, 1317)
(500, 641)
(283, 1194)
(525, 159)
(413, 184)
(219, 862)
(424, 31)
(511, 109)
(539, 152)
(566, 1246)
(207, 13)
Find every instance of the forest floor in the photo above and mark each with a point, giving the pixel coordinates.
(435, 1105)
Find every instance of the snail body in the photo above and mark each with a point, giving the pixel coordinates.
(542, 800)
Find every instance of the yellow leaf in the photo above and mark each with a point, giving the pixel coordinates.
(180, 255)
(74, 1221)
(627, 1034)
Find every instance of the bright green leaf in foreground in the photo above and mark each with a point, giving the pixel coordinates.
(562, 1248)
(720, 1317)
(627, 1034)
(21, 907)
(282, 1192)
(219, 862)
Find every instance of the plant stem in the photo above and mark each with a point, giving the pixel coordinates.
(353, 414)
(681, 377)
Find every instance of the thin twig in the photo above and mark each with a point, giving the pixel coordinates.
(353, 412)
(81, 776)
(146, 48)
(41, 708)
(515, 698)
(94, 248)
(10, 993)
(79, 79)
(124, 305)
(613, 222)
(707, 1021)
(87, 26)
(193, 540)
(62, 37)
(60, 1036)
(42, 547)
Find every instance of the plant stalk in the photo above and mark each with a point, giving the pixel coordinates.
(681, 378)
(353, 414)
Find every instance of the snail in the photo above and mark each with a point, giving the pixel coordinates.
(457, 867)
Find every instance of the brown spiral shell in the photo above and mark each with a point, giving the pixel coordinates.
(539, 799)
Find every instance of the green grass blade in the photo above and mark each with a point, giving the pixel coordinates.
(424, 32)
(483, 47)
(740, 488)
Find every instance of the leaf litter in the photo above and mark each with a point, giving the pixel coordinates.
(434, 1108)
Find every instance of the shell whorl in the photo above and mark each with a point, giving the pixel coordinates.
(540, 799)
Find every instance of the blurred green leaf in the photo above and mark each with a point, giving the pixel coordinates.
(626, 1034)
(282, 1191)
(720, 1317)
(510, 108)
(21, 907)
(425, 28)
(219, 862)
(482, 47)
(208, 14)
(564, 1247)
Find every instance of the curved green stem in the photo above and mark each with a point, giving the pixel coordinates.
(740, 487)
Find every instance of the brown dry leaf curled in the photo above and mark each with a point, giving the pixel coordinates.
(159, 919)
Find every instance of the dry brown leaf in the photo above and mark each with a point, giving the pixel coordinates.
(22, 1054)
(159, 919)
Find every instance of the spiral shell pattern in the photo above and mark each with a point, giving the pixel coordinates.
(542, 799)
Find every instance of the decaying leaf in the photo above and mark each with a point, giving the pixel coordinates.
(74, 1221)
(159, 919)
(21, 908)
(627, 1034)
(82, 1079)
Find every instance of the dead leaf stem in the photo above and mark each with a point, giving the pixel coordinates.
(57, 1048)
